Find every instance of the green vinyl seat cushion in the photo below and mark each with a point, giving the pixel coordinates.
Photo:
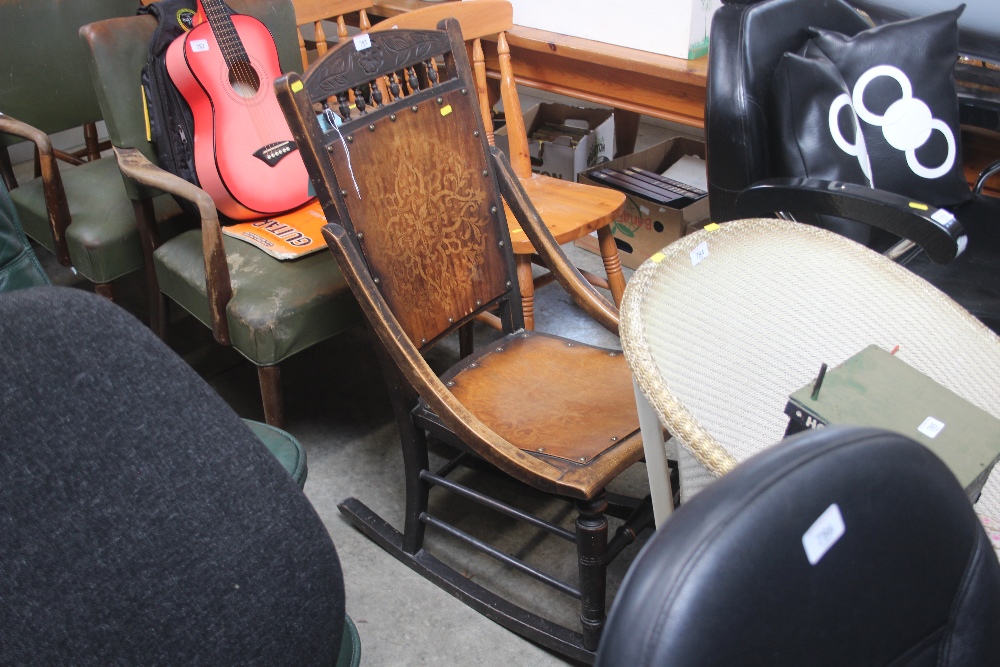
(103, 238)
(278, 307)
(350, 645)
(283, 446)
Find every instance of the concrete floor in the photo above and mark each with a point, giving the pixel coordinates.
(337, 405)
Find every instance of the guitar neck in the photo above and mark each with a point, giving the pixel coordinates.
(224, 31)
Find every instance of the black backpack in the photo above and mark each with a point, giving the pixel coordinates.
(171, 124)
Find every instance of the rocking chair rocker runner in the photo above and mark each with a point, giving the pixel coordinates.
(422, 240)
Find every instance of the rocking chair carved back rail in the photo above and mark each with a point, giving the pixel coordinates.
(422, 240)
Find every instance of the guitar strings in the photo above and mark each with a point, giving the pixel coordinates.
(228, 39)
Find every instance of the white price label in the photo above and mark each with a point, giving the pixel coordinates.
(942, 216)
(362, 42)
(699, 254)
(823, 534)
(199, 45)
(931, 427)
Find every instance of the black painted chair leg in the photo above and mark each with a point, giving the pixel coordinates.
(592, 546)
(415, 461)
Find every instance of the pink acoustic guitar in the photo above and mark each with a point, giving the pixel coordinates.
(243, 150)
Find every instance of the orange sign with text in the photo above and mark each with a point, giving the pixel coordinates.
(286, 236)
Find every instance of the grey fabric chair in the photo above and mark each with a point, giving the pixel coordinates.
(143, 521)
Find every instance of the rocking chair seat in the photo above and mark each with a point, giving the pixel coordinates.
(309, 300)
(103, 239)
(537, 392)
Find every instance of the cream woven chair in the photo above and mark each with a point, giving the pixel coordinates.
(717, 345)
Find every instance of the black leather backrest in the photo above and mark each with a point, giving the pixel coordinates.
(726, 580)
(746, 43)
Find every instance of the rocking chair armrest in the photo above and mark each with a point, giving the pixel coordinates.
(482, 439)
(935, 230)
(583, 293)
(137, 167)
(55, 196)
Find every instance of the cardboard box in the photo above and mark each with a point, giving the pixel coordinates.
(558, 157)
(677, 28)
(646, 227)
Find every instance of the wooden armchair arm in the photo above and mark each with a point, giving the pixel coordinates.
(52, 187)
(482, 439)
(136, 166)
(585, 295)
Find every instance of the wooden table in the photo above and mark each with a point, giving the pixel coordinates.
(632, 82)
(636, 83)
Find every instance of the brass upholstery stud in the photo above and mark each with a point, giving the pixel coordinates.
(343, 193)
(375, 280)
(450, 320)
(350, 138)
(508, 284)
(423, 341)
(392, 117)
(614, 438)
(371, 127)
(583, 459)
(501, 244)
(541, 449)
(612, 354)
(414, 108)
(569, 344)
(361, 235)
(440, 100)
(485, 172)
(493, 210)
(472, 365)
(478, 302)
(499, 349)
(451, 384)
(465, 91)
(476, 133)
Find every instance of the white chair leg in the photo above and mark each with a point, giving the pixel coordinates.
(656, 458)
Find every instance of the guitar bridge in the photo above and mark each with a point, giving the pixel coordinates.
(272, 154)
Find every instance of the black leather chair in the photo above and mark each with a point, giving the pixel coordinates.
(758, 569)
(747, 42)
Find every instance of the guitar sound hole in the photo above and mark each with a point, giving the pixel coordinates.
(244, 80)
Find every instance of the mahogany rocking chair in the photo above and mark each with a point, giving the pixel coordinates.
(423, 241)
(570, 210)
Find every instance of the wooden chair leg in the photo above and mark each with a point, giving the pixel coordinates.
(271, 394)
(527, 285)
(612, 264)
(7, 169)
(415, 461)
(465, 339)
(592, 546)
(91, 142)
(107, 290)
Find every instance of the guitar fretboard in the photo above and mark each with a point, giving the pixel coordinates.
(225, 32)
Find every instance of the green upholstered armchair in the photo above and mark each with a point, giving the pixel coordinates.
(267, 309)
(80, 213)
(19, 268)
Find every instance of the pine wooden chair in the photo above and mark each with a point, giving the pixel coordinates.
(569, 210)
(268, 310)
(423, 241)
(81, 214)
(314, 12)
